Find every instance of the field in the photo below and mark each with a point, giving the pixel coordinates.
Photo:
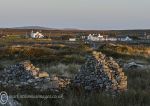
(65, 58)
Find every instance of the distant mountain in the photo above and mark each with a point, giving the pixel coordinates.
(34, 27)
(43, 28)
(70, 29)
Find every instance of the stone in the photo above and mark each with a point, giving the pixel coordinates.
(31, 81)
(43, 75)
(38, 69)
(88, 88)
(34, 73)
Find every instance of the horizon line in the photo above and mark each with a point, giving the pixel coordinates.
(71, 28)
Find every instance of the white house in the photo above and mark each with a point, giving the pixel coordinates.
(36, 35)
(95, 37)
(124, 38)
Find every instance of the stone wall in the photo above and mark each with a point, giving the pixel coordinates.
(101, 73)
(25, 75)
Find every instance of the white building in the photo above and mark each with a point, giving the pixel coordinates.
(72, 39)
(111, 39)
(124, 38)
(99, 37)
(36, 35)
(95, 37)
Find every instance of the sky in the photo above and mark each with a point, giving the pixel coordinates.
(80, 14)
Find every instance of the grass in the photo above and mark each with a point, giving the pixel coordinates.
(42, 54)
(138, 93)
(68, 70)
(40, 50)
(15, 39)
(66, 59)
(126, 50)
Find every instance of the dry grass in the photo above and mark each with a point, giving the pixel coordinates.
(136, 50)
(68, 70)
(66, 60)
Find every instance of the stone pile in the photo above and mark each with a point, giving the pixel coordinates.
(101, 73)
(25, 74)
(22, 72)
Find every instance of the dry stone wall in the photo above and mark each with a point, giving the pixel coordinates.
(26, 75)
(101, 73)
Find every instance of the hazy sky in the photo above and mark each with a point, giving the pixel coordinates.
(83, 14)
